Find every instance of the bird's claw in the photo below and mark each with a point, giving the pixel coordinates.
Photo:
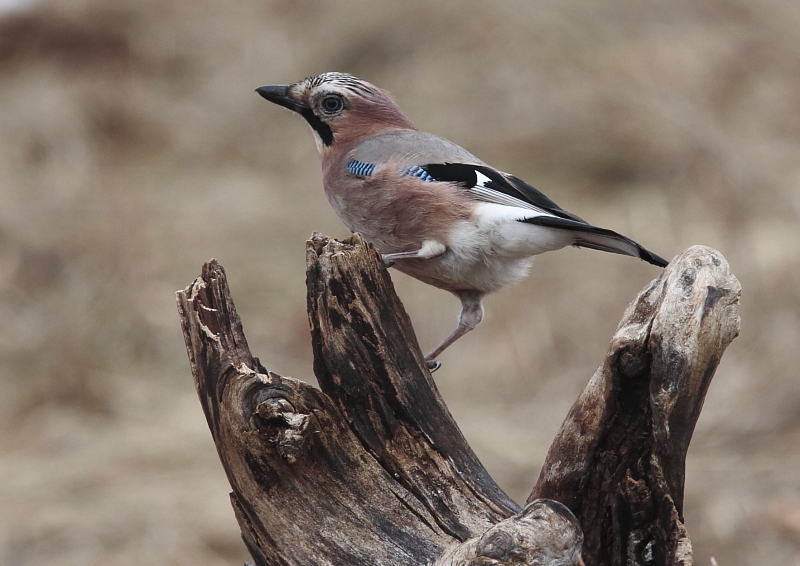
(433, 365)
(387, 263)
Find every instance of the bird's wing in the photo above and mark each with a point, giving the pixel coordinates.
(432, 158)
(491, 185)
(487, 184)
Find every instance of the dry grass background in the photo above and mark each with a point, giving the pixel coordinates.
(132, 149)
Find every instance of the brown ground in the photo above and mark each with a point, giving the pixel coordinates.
(133, 148)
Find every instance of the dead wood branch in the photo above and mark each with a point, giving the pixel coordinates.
(618, 461)
(373, 469)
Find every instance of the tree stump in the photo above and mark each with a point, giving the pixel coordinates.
(372, 468)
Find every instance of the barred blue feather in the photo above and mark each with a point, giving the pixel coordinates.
(420, 173)
(360, 168)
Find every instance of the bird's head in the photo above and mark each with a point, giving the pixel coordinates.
(340, 108)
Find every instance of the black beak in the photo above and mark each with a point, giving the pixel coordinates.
(279, 94)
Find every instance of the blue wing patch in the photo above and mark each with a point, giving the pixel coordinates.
(420, 173)
(360, 168)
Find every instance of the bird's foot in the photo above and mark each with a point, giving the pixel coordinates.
(433, 365)
(387, 262)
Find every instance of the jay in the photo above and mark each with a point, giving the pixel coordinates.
(434, 210)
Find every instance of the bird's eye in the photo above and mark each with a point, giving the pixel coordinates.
(332, 104)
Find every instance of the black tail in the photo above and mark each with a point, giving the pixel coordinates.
(592, 237)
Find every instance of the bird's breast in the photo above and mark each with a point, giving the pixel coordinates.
(395, 211)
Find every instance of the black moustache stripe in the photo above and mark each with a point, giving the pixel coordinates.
(322, 129)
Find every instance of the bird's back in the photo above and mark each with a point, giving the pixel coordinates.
(410, 148)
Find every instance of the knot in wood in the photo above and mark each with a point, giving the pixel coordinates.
(545, 533)
(275, 418)
(632, 359)
(497, 544)
(688, 277)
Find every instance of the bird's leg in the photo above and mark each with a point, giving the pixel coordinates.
(429, 250)
(471, 314)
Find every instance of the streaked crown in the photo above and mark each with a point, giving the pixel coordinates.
(339, 107)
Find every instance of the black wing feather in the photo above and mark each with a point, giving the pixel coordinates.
(537, 198)
(465, 175)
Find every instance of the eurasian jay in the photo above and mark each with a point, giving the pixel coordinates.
(434, 210)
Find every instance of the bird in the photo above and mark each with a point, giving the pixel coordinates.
(434, 211)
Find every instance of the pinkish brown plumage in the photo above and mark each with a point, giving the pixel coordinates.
(433, 209)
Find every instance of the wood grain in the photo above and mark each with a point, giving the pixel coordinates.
(372, 469)
(618, 461)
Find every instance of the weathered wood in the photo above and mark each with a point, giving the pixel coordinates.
(305, 491)
(373, 469)
(545, 533)
(367, 359)
(312, 484)
(618, 460)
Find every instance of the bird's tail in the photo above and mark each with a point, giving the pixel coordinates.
(588, 236)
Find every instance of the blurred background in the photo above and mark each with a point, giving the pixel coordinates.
(133, 149)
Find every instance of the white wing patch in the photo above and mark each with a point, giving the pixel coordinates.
(481, 179)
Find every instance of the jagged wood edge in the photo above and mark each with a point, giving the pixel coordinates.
(618, 460)
(367, 359)
(294, 466)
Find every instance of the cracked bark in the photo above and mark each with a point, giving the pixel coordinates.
(372, 468)
(618, 461)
